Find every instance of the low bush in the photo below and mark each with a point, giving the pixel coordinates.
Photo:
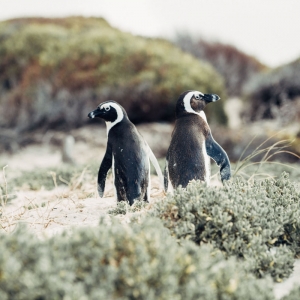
(256, 222)
(117, 261)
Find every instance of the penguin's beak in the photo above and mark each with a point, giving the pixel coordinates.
(94, 113)
(210, 98)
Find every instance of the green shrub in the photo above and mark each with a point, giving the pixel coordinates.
(256, 222)
(117, 261)
(54, 71)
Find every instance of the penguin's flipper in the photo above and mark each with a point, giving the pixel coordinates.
(104, 168)
(166, 177)
(155, 164)
(217, 153)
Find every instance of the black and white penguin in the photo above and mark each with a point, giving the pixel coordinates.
(127, 153)
(192, 143)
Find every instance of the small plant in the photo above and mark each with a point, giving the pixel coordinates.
(123, 208)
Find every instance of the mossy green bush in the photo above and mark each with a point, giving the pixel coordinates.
(54, 71)
(117, 261)
(257, 222)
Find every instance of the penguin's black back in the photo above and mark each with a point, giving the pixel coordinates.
(185, 154)
(131, 163)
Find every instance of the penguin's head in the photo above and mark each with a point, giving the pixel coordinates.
(109, 111)
(193, 102)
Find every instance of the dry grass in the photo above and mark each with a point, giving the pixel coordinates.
(268, 153)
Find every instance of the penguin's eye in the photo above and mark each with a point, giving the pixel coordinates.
(107, 108)
(197, 97)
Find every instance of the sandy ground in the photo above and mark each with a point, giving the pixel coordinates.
(49, 212)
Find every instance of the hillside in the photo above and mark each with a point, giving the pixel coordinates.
(234, 65)
(54, 71)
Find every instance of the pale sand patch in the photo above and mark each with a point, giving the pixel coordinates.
(49, 212)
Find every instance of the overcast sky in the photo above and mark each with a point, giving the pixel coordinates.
(267, 29)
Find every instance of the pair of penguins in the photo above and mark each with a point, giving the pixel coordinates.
(129, 155)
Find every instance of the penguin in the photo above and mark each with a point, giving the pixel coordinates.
(127, 153)
(192, 144)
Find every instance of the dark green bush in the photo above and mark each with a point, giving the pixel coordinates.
(275, 94)
(119, 261)
(256, 222)
(54, 71)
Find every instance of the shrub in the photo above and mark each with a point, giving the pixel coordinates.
(123, 208)
(275, 94)
(117, 261)
(293, 295)
(54, 71)
(256, 222)
(235, 66)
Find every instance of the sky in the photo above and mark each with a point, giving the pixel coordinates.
(266, 29)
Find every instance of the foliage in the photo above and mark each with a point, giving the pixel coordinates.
(293, 295)
(123, 208)
(235, 66)
(54, 71)
(275, 94)
(117, 261)
(257, 222)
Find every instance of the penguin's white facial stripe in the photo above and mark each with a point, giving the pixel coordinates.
(187, 101)
(198, 95)
(187, 104)
(105, 106)
(119, 111)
